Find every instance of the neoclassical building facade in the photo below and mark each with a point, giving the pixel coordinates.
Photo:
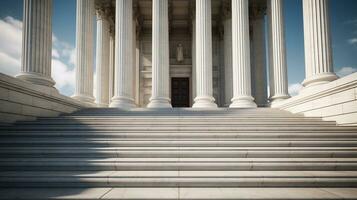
(164, 53)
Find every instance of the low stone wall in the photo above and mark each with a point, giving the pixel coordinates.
(335, 101)
(21, 100)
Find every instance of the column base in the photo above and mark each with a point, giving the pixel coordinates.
(122, 102)
(36, 78)
(279, 97)
(319, 79)
(243, 102)
(159, 103)
(102, 105)
(204, 102)
(84, 98)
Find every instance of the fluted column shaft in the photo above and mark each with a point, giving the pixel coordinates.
(318, 52)
(259, 87)
(123, 94)
(204, 85)
(228, 77)
(278, 50)
(102, 60)
(160, 56)
(111, 63)
(84, 51)
(37, 42)
(242, 97)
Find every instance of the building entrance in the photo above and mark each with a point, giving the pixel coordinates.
(180, 92)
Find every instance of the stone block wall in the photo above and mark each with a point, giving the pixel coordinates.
(336, 101)
(21, 100)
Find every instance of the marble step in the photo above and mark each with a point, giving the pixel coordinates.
(188, 164)
(179, 179)
(88, 135)
(188, 120)
(239, 128)
(186, 143)
(184, 193)
(135, 152)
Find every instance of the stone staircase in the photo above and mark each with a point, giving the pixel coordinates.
(178, 154)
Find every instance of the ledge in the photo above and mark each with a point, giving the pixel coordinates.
(21, 100)
(336, 101)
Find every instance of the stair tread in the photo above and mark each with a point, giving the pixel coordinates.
(178, 154)
(213, 161)
(183, 174)
(180, 193)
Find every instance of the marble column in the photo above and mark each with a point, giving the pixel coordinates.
(259, 75)
(242, 97)
(204, 85)
(111, 62)
(123, 94)
(318, 52)
(227, 40)
(160, 56)
(102, 59)
(278, 54)
(37, 43)
(84, 51)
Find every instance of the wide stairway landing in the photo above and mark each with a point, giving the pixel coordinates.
(178, 154)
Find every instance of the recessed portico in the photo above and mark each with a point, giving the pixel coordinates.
(218, 45)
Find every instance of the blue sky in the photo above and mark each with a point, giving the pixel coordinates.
(343, 17)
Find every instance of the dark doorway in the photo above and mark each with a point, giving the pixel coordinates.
(180, 92)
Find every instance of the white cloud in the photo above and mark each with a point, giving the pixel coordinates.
(10, 45)
(352, 41)
(63, 55)
(294, 89)
(55, 53)
(344, 71)
(62, 74)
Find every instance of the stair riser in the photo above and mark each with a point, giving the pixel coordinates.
(187, 144)
(187, 167)
(104, 182)
(69, 154)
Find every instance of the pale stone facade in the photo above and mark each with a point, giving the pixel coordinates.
(221, 54)
(143, 77)
(221, 44)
